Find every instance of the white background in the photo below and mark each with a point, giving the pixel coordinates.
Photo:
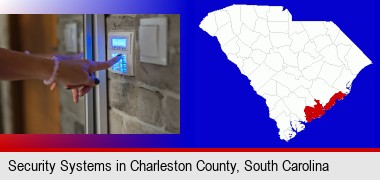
(363, 165)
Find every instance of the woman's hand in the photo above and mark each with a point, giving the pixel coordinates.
(78, 74)
(73, 71)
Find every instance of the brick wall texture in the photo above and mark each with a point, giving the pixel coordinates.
(149, 102)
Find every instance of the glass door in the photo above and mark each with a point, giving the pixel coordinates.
(96, 100)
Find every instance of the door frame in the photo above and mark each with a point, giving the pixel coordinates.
(96, 121)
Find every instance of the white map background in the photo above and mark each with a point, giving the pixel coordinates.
(289, 63)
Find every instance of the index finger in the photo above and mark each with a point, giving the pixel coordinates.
(97, 66)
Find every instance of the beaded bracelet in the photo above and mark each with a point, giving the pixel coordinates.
(54, 74)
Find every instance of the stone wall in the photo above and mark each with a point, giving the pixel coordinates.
(149, 102)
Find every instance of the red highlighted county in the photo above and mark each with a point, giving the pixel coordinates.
(318, 110)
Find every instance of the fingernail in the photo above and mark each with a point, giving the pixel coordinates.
(118, 55)
(97, 81)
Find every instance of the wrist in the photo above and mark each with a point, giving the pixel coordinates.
(42, 68)
(53, 75)
(48, 69)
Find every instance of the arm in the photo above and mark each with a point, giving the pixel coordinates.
(18, 66)
(75, 73)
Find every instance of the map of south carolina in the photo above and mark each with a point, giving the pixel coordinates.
(301, 68)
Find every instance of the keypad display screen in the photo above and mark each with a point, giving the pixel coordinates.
(119, 42)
